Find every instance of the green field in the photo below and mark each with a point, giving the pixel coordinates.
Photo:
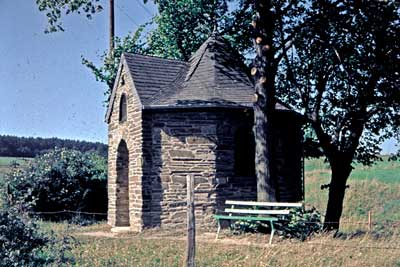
(6, 163)
(375, 189)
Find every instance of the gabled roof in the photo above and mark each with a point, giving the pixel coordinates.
(153, 75)
(215, 76)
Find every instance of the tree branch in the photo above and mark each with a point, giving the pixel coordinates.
(320, 86)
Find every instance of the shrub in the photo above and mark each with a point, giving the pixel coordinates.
(300, 223)
(23, 244)
(60, 180)
(240, 227)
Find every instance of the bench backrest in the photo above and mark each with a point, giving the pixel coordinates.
(264, 204)
(256, 205)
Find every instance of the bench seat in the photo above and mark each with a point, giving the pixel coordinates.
(245, 218)
(255, 211)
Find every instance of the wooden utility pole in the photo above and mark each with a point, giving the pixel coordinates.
(112, 32)
(369, 220)
(191, 226)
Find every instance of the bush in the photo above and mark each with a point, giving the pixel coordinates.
(60, 180)
(23, 244)
(241, 227)
(300, 223)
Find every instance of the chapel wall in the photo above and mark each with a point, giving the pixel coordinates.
(198, 143)
(131, 132)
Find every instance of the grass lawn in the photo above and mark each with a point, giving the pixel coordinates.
(98, 247)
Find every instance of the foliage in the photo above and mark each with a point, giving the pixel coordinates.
(346, 75)
(240, 227)
(24, 244)
(300, 223)
(60, 180)
(55, 8)
(342, 74)
(182, 26)
(15, 146)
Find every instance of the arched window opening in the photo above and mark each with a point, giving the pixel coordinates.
(244, 152)
(122, 108)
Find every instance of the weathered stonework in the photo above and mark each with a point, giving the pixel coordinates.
(129, 131)
(166, 145)
(198, 143)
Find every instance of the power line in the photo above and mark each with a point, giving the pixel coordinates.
(145, 8)
(127, 15)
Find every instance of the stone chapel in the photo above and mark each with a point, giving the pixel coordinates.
(169, 118)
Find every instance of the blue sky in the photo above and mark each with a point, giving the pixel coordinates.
(44, 89)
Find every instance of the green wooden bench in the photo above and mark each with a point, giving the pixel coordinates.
(255, 211)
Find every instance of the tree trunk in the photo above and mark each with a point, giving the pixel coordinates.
(264, 73)
(340, 173)
(265, 183)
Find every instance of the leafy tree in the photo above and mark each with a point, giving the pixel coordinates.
(343, 75)
(182, 26)
(55, 8)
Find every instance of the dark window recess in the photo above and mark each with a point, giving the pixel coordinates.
(244, 153)
(122, 108)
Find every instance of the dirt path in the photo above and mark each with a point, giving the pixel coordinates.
(206, 237)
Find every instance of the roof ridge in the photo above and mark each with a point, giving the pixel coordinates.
(192, 70)
(157, 57)
(214, 64)
(174, 84)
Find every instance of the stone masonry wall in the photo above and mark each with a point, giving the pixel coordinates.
(200, 143)
(131, 132)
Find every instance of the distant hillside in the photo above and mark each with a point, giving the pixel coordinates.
(15, 146)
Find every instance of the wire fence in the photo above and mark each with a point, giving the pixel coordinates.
(386, 221)
(65, 212)
(319, 241)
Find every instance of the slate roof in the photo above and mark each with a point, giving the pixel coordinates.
(153, 75)
(215, 76)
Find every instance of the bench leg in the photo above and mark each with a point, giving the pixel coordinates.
(219, 228)
(272, 232)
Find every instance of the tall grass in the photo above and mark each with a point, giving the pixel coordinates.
(142, 250)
